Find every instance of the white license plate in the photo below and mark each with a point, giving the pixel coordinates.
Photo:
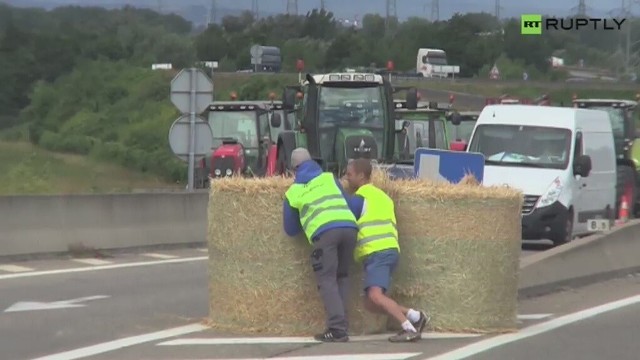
(598, 225)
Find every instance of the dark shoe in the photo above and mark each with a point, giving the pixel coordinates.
(405, 336)
(422, 323)
(330, 335)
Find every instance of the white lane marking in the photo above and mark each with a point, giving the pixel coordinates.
(204, 250)
(488, 344)
(159, 256)
(534, 316)
(378, 356)
(14, 268)
(94, 262)
(104, 267)
(124, 342)
(297, 340)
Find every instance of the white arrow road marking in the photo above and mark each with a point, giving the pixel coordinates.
(14, 268)
(34, 305)
(91, 261)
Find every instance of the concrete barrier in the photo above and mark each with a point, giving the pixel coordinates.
(50, 224)
(582, 262)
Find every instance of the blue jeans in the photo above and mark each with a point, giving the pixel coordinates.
(378, 268)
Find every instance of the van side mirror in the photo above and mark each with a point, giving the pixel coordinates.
(582, 165)
(455, 118)
(276, 120)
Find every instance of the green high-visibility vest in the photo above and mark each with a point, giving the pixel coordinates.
(377, 226)
(319, 202)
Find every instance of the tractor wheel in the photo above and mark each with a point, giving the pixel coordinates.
(281, 162)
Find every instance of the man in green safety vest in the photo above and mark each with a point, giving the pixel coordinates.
(379, 251)
(316, 204)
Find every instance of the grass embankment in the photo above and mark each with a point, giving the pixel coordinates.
(27, 169)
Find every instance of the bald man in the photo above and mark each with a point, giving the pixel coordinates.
(317, 205)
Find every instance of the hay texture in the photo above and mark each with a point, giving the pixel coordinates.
(460, 248)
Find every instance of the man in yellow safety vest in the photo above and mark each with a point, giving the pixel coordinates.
(378, 249)
(316, 204)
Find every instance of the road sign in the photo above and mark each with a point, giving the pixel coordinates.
(445, 165)
(34, 305)
(188, 83)
(179, 135)
(191, 93)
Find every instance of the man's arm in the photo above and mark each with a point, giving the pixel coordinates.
(290, 219)
(355, 202)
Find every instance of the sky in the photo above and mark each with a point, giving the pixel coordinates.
(405, 8)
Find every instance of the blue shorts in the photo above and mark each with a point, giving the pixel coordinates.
(378, 268)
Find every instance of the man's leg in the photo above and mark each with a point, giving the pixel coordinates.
(378, 269)
(324, 260)
(345, 258)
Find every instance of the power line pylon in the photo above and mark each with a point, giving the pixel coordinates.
(292, 7)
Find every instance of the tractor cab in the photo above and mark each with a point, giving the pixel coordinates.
(461, 128)
(340, 116)
(242, 137)
(622, 117)
(422, 127)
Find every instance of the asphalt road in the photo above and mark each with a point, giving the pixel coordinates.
(609, 336)
(462, 101)
(137, 300)
(141, 300)
(552, 327)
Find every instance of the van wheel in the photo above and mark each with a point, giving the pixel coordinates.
(565, 235)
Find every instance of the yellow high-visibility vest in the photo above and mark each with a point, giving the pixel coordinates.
(319, 202)
(377, 226)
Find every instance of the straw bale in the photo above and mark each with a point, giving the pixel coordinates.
(460, 247)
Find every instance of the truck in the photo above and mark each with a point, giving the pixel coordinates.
(433, 63)
(622, 115)
(341, 116)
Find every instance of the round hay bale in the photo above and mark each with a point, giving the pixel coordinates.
(460, 248)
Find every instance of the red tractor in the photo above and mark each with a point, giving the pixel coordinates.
(243, 140)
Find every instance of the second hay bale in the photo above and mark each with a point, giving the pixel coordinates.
(460, 250)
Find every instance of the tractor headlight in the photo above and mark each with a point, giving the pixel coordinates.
(228, 172)
(217, 172)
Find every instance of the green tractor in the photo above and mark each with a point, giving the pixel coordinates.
(341, 116)
(622, 114)
(421, 127)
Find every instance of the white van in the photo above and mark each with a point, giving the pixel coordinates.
(562, 159)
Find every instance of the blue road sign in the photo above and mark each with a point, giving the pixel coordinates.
(446, 165)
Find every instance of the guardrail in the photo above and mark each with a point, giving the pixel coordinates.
(31, 225)
(582, 84)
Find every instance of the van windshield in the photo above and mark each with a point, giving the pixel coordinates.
(523, 146)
